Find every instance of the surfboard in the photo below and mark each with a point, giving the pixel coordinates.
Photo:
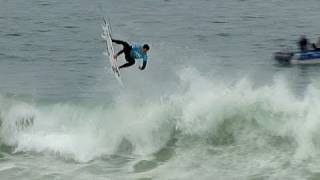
(106, 35)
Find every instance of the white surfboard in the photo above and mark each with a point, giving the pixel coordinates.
(106, 35)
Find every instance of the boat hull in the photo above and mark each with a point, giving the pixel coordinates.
(310, 57)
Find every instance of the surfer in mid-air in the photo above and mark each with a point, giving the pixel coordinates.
(132, 52)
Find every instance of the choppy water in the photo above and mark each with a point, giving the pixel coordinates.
(212, 104)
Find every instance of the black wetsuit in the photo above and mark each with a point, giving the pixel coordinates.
(126, 50)
(303, 44)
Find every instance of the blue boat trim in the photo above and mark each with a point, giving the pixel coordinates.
(308, 55)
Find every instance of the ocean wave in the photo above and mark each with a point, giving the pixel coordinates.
(199, 111)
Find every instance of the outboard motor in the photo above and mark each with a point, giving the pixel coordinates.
(283, 56)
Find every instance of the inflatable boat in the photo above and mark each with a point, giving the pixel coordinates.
(308, 57)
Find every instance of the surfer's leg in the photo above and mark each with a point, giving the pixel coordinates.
(130, 62)
(126, 47)
(118, 41)
(124, 44)
(126, 65)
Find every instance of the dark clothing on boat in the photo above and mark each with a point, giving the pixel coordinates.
(303, 44)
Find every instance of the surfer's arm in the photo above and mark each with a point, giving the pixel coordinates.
(144, 64)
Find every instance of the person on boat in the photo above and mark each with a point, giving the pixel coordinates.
(132, 52)
(303, 43)
(316, 46)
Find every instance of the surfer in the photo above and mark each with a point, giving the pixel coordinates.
(132, 52)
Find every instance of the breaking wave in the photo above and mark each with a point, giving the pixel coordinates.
(200, 111)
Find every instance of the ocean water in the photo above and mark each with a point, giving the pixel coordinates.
(211, 104)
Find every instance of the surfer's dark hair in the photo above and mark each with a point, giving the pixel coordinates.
(146, 46)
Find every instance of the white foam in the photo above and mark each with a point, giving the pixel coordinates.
(199, 107)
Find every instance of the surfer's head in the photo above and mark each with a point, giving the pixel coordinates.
(145, 48)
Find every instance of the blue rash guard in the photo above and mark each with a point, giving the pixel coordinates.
(137, 53)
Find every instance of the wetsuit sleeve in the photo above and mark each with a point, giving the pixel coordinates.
(144, 64)
(145, 58)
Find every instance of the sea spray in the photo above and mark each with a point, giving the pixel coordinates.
(199, 110)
